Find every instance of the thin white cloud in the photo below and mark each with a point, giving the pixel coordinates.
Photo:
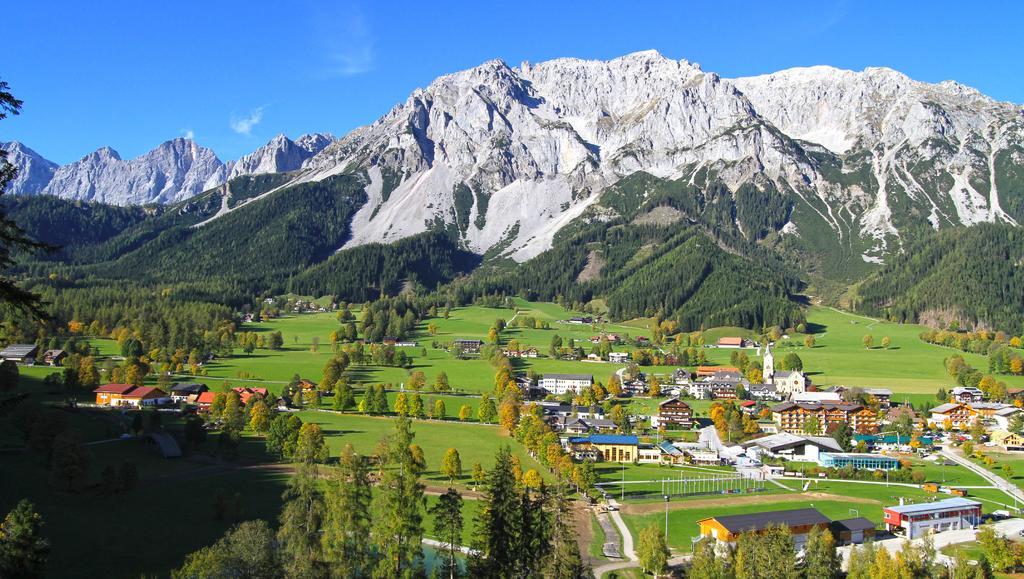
(244, 125)
(189, 134)
(345, 41)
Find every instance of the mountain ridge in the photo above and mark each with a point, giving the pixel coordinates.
(851, 164)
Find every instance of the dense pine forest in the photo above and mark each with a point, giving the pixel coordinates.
(968, 276)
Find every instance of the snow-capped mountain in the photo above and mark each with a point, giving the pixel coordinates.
(34, 172)
(281, 155)
(509, 156)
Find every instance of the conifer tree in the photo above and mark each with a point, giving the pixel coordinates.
(301, 522)
(398, 508)
(448, 526)
(496, 521)
(346, 529)
(23, 549)
(564, 560)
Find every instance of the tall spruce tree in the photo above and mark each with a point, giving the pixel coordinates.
(497, 521)
(563, 560)
(301, 524)
(398, 508)
(12, 238)
(448, 526)
(346, 549)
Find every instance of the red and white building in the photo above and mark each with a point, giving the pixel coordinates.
(946, 515)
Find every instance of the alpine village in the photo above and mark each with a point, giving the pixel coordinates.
(616, 317)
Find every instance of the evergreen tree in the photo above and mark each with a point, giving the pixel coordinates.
(398, 508)
(563, 560)
(23, 549)
(12, 238)
(346, 547)
(301, 522)
(496, 521)
(448, 526)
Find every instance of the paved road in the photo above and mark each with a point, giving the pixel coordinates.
(996, 480)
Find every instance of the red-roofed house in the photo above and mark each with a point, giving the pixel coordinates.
(112, 394)
(144, 396)
(730, 342)
(205, 400)
(244, 394)
(705, 371)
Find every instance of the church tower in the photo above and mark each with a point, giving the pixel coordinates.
(768, 368)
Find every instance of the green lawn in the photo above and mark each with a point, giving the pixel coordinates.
(682, 523)
(908, 366)
(476, 443)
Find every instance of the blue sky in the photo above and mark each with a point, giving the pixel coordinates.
(132, 74)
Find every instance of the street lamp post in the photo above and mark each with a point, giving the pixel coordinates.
(666, 519)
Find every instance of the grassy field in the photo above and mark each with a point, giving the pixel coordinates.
(908, 366)
(476, 443)
(912, 369)
(835, 499)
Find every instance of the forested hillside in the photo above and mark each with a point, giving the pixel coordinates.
(642, 251)
(974, 276)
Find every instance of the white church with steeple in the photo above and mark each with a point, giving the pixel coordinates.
(786, 383)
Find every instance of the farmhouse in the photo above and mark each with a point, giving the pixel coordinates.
(607, 447)
(1009, 441)
(24, 354)
(244, 394)
(730, 342)
(791, 416)
(205, 400)
(764, 392)
(956, 414)
(880, 396)
(561, 383)
(949, 514)
(673, 413)
(187, 392)
(144, 396)
(706, 371)
(966, 395)
(727, 529)
(112, 394)
(618, 357)
(54, 357)
(467, 346)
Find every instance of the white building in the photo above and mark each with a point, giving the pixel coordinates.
(559, 384)
(789, 383)
(815, 397)
(618, 357)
